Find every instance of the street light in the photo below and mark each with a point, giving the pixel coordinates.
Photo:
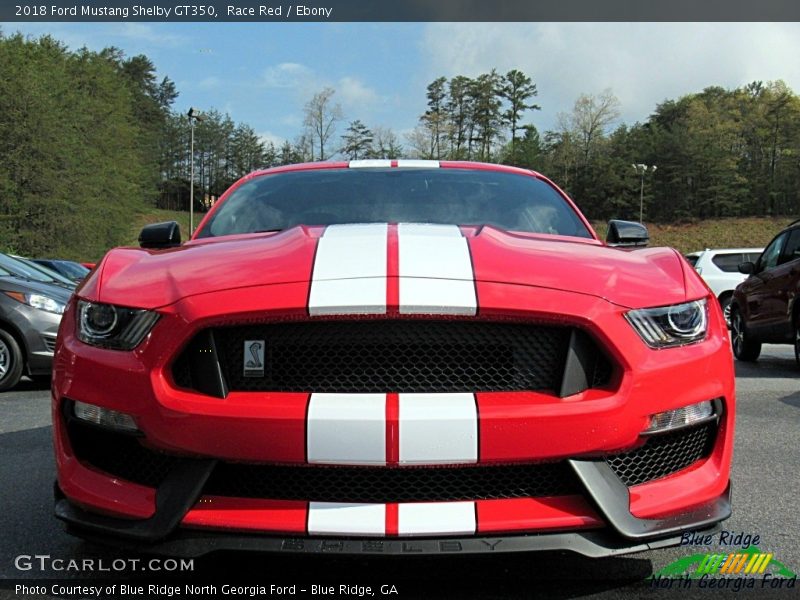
(194, 116)
(641, 169)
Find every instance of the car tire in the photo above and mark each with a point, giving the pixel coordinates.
(11, 361)
(725, 302)
(743, 348)
(797, 341)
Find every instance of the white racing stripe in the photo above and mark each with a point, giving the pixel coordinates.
(438, 429)
(349, 275)
(346, 429)
(356, 519)
(428, 518)
(436, 275)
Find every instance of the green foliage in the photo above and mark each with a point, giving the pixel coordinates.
(71, 163)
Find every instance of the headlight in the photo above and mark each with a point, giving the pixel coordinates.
(114, 327)
(40, 301)
(668, 326)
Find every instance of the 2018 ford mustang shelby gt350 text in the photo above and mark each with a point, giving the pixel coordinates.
(388, 357)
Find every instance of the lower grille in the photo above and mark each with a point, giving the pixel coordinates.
(662, 455)
(401, 484)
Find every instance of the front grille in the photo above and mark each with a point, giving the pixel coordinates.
(399, 484)
(404, 356)
(664, 454)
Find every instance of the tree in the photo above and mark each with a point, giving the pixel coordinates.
(590, 117)
(517, 88)
(321, 116)
(487, 118)
(357, 142)
(385, 144)
(435, 116)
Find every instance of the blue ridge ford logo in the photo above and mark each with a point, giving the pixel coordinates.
(253, 358)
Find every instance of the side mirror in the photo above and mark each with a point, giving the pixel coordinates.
(627, 233)
(747, 268)
(160, 235)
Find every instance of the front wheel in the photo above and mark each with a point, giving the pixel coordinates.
(725, 303)
(797, 341)
(743, 347)
(11, 361)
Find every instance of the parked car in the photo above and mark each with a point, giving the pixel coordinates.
(67, 268)
(393, 355)
(30, 313)
(44, 274)
(764, 307)
(720, 270)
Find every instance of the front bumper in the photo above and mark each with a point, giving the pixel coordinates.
(160, 533)
(603, 517)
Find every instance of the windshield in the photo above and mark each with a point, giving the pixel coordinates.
(448, 196)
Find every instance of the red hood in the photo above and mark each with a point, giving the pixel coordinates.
(150, 279)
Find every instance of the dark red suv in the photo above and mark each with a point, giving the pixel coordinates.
(764, 309)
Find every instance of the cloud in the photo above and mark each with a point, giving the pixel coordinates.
(267, 137)
(643, 63)
(209, 83)
(355, 95)
(288, 75)
(146, 33)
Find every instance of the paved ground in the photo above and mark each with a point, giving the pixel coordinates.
(765, 503)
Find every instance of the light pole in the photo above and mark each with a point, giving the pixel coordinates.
(641, 169)
(194, 116)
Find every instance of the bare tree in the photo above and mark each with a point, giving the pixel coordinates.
(386, 144)
(321, 115)
(589, 118)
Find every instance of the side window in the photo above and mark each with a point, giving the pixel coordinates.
(772, 252)
(752, 257)
(792, 250)
(729, 263)
(692, 259)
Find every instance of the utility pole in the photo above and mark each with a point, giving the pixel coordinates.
(641, 169)
(194, 116)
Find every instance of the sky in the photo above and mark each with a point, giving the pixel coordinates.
(263, 73)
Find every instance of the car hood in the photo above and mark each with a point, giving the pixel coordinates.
(148, 278)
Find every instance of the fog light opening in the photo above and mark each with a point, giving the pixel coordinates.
(105, 417)
(686, 416)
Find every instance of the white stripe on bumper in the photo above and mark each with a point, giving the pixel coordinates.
(438, 429)
(346, 429)
(427, 518)
(356, 519)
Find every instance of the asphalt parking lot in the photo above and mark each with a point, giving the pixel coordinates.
(765, 492)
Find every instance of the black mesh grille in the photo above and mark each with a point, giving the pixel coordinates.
(396, 356)
(119, 455)
(401, 484)
(662, 455)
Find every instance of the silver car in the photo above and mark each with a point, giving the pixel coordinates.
(30, 313)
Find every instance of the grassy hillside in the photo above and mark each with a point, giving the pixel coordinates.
(722, 233)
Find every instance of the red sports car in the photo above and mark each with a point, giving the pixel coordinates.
(393, 357)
